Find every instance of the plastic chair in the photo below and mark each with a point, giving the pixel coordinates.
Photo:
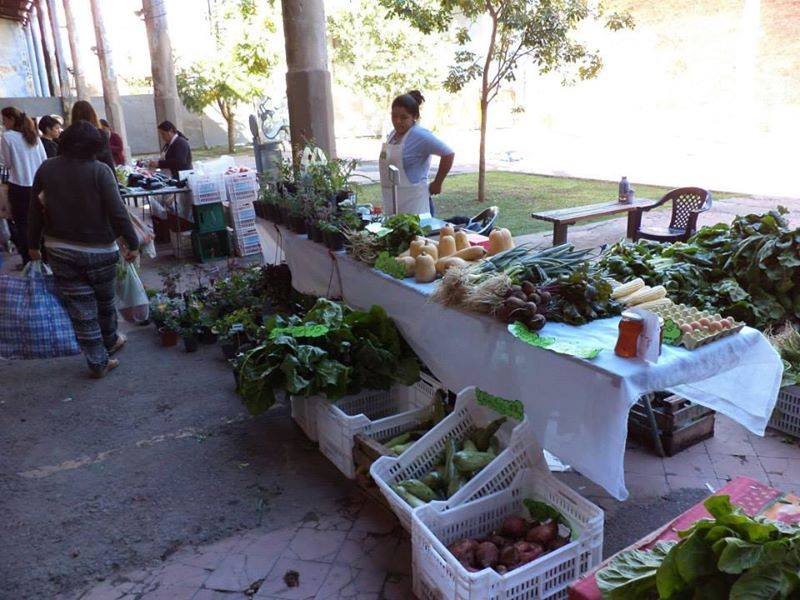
(687, 204)
(482, 223)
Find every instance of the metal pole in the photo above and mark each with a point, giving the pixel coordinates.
(81, 89)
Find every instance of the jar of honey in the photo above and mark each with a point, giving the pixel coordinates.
(630, 328)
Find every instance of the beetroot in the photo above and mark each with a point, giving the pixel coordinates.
(486, 555)
(557, 543)
(509, 556)
(513, 527)
(464, 551)
(497, 540)
(544, 533)
(522, 546)
(532, 554)
(502, 569)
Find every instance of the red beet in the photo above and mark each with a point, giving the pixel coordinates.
(464, 551)
(486, 555)
(513, 527)
(509, 556)
(557, 543)
(544, 533)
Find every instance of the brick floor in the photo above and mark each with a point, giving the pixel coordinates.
(360, 552)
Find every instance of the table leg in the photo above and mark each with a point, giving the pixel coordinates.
(559, 233)
(654, 431)
(634, 222)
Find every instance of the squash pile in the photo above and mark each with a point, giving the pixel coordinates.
(426, 259)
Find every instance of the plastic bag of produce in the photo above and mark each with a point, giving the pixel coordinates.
(33, 322)
(132, 301)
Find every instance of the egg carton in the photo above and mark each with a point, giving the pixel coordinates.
(683, 315)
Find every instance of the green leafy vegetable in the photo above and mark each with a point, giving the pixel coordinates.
(390, 265)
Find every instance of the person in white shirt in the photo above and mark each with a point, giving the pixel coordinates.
(21, 152)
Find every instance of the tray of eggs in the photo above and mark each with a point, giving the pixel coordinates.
(697, 327)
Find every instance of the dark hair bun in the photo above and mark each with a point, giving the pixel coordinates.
(417, 95)
(81, 140)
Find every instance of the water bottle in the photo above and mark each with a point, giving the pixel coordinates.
(624, 186)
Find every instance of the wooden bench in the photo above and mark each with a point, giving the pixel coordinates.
(564, 217)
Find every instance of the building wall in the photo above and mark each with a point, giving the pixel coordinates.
(15, 69)
(140, 120)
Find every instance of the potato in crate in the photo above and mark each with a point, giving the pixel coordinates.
(528, 541)
(472, 452)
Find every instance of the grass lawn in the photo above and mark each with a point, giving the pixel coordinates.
(519, 194)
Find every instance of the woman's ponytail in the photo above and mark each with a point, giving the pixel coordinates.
(28, 130)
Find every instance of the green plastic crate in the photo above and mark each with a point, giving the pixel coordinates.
(209, 217)
(211, 246)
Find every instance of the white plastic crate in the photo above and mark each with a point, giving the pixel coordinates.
(206, 189)
(246, 225)
(376, 413)
(244, 214)
(438, 574)
(519, 450)
(304, 413)
(786, 415)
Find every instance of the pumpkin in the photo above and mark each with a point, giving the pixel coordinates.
(462, 241)
(416, 247)
(445, 231)
(431, 250)
(409, 264)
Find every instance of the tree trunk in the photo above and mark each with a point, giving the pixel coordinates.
(231, 132)
(482, 157)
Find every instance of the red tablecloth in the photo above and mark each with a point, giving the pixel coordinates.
(753, 497)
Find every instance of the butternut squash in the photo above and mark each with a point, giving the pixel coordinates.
(495, 242)
(404, 253)
(432, 250)
(447, 246)
(424, 268)
(462, 241)
(409, 263)
(508, 240)
(448, 262)
(471, 253)
(445, 231)
(416, 247)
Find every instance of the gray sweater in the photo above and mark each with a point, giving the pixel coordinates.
(81, 204)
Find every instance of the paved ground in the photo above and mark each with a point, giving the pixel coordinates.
(155, 483)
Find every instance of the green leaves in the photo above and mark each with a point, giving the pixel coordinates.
(390, 265)
(734, 556)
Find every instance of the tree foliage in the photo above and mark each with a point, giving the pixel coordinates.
(377, 56)
(240, 66)
(541, 32)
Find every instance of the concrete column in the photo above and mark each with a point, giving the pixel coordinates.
(162, 65)
(33, 61)
(108, 76)
(308, 82)
(61, 61)
(81, 89)
(47, 47)
(36, 32)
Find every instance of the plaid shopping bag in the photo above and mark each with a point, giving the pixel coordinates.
(33, 322)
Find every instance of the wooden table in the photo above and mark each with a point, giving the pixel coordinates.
(564, 217)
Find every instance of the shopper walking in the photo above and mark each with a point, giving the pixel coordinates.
(176, 155)
(77, 210)
(21, 153)
(83, 111)
(114, 142)
(51, 129)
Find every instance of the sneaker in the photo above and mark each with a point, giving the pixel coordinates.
(121, 339)
(112, 364)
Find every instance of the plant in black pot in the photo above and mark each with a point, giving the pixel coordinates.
(170, 329)
(190, 325)
(334, 238)
(297, 219)
(235, 331)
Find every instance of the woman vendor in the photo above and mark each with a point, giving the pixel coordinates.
(409, 148)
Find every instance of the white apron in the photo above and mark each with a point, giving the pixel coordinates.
(412, 198)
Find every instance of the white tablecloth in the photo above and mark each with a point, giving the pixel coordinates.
(579, 408)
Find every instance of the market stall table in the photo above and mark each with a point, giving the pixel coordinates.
(134, 193)
(578, 408)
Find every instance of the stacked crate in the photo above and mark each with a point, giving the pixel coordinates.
(242, 192)
(210, 239)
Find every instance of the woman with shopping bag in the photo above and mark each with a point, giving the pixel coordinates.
(78, 211)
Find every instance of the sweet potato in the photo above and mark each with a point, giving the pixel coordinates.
(543, 534)
(497, 540)
(509, 556)
(535, 552)
(486, 555)
(513, 527)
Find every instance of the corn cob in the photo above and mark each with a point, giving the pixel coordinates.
(646, 294)
(626, 289)
(660, 303)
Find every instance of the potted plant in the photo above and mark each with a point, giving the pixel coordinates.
(297, 220)
(235, 330)
(334, 239)
(171, 328)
